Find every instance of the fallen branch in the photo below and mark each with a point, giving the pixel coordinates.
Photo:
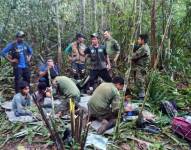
(53, 132)
(171, 137)
(139, 141)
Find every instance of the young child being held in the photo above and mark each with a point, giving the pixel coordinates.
(127, 103)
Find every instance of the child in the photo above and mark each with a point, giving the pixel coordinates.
(127, 104)
(21, 100)
(43, 93)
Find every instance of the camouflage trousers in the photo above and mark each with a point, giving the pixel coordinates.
(137, 81)
(114, 69)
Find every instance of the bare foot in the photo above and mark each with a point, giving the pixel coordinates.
(104, 127)
(58, 115)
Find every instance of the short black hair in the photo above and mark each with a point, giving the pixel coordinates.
(106, 30)
(42, 86)
(144, 37)
(128, 92)
(49, 58)
(80, 35)
(117, 80)
(23, 84)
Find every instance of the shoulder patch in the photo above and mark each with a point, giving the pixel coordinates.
(92, 50)
(100, 50)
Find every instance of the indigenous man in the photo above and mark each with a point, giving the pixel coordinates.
(77, 56)
(54, 71)
(19, 54)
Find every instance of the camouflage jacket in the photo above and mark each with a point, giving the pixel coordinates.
(112, 47)
(141, 57)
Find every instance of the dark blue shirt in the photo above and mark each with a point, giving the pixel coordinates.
(54, 71)
(22, 49)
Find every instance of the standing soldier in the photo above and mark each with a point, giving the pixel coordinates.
(19, 54)
(112, 48)
(99, 60)
(140, 64)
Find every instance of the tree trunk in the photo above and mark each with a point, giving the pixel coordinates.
(82, 16)
(140, 16)
(153, 33)
(94, 7)
(102, 16)
(58, 36)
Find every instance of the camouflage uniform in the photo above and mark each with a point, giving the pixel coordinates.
(104, 101)
(112, 49)
(67, 89)
(140, 63)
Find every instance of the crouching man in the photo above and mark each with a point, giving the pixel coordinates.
(104, 103)
(67, 89)
(21, 100)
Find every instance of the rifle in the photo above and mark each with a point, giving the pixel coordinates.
(135, 60)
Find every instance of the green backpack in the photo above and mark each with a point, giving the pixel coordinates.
(68, 49)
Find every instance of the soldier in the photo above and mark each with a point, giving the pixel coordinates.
(99, 60)
(140, 64)
(112, 47)
(104, 103)
(66, 89)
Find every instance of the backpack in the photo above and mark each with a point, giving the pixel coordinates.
(68, 49)
(182, 126)
(14, 53)
(169, 108)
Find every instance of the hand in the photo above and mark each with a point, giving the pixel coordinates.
(49, 67)
(69, 60)
(48, 94)
(59, 114)
(28, 58)
(127, 109)
(108, 67)
(14, 60)
(115, 60)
